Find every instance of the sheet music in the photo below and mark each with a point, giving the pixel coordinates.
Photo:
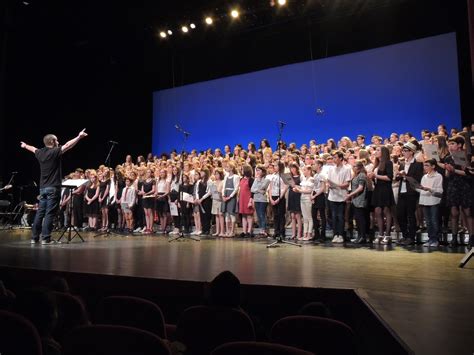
(74, 182)
(431, 151)
(460, 158)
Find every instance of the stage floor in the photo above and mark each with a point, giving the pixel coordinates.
(422, 295)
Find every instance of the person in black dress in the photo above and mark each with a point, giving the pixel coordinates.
(91, 206)
(103, 199)
(294, 203)
(49, 159)
(459, 195)
(147, 193)
(382, 196)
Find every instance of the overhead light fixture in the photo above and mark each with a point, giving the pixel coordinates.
(185, 29)
(163, 34)
(282, 2)
(170, 33)
(209, 20)
(234, 13)
(193, 26)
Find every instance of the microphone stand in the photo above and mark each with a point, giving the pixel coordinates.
(108, 159)
(281, 238)
(180, 197)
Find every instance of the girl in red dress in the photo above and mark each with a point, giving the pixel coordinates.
(246, 207)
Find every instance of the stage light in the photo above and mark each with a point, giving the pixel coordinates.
(234, 13)
(163, 34)
(209, 20)
(170, 33)
(193, 26)
(185, 29)
(281, 2)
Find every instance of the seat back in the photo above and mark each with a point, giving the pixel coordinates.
(315, 334)
(202, 328)
(18, 336)
(71, 314)
(113, 340)
(257, 348)
(131, 312)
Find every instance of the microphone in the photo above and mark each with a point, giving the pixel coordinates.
(113, 142)
(282, 123)
(187, 133)
(14, 172)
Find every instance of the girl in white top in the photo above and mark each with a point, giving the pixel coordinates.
(162, 192)
(306, 187)
(216, 192)
(230, 189)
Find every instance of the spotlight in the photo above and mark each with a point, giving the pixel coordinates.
(234, 13)
(163, 34)
(209, 20)
(170, 33)
(193, 26)
(281, 2)
(185, 29)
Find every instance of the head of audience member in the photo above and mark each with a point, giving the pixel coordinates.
(394, 138)
(377, 140)
(318, 165)
(59, 284)
(224, 290)
(315, 309)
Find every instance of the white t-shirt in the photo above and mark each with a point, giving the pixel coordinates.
(338, 175)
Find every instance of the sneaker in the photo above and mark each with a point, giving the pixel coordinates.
(48, 241)
(386, 241)
(377, 240)
(434, 244)
(427, 244)
(137, 230)
(34, 241)
(335, 239)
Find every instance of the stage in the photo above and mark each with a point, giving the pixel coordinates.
(422, 295)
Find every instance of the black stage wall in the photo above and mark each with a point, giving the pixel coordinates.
(75, 64)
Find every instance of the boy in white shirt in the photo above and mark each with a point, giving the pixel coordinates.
(431, 191)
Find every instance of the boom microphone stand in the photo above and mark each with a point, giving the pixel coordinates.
(180, 198)
(108, 159)
(280, 239)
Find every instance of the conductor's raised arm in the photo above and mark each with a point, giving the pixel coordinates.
(73, 141)
(28, 147)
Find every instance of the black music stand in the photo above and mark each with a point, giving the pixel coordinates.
(466, 258)
(69, 229)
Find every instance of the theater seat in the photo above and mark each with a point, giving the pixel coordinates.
(202, 328)
(316, 334)
(131, 312)
(113, 340)
(18, 336)
(257, 348)
(71, 314)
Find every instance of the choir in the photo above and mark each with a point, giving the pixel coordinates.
(395, 185)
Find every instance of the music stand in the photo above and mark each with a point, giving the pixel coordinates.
(466, 258)
(69, 229)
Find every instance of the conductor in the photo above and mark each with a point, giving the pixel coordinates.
(49, 159)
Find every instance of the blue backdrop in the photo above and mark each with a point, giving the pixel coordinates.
(405, 87)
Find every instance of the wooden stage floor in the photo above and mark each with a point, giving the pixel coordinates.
(423, 296)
